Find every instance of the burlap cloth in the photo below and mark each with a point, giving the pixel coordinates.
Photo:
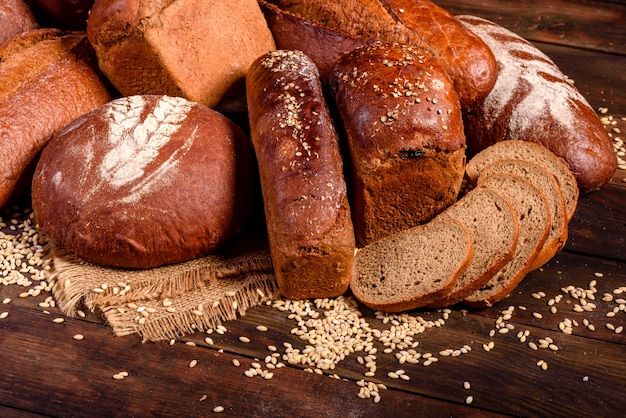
(171, 301)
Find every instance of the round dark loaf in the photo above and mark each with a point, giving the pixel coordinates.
(48, 78)
(145, 181)
(404, 130)
(15, 18)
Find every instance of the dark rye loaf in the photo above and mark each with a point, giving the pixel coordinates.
(144, 181)
(412, 268)
(533, 215)
(310, 231)
(534, 101)
(404, 131)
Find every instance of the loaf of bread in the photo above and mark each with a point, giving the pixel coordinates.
(533, 216)
(534, 101)
(144, 181)
(15, 18)
(326, 29)
(195, 49)
(47, 79)
(544, 181)
(493, 226)
(412, 268)
(310, 231)
(528, 151)
(405, 137)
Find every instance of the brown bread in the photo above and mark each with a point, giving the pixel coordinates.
(15, 18)
(533, 217)
(144, 181)
(47, 79)
(195, 49)
(412, 268)
(306, 206)
(534, 101)
(404, 131)
(494, 228)
(326, 29)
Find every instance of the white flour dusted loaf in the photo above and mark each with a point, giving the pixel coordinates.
(534, 101)
(144, 181)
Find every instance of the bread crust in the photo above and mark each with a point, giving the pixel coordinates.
(15, 18)
(144, 181)
(404, 131)
(310, 231)
(48, 78)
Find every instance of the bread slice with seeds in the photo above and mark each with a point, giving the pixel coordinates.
(542, 179)
(493, 225)
(533, 216)
(529, 151)
(411, 268)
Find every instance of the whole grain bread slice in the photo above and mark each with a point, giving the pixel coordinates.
(411, 268)
(529, 151)
(533, 216)
(542, 179)
(492, 223)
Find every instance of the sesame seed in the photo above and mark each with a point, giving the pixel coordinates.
(244, 339)
(78, 337)
(469, 399)
(466, 385)
(193, 363)
(3, 315)
(218, 409)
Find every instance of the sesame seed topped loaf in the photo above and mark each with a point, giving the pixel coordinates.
(545, 182)
(48, 77)
(404, 131)
(533, 216)
(327, 29)
(412, 268)
(196, 49)
(534, 101)
(528, 151)
(309, 226)
(144, 181)
(492, 223)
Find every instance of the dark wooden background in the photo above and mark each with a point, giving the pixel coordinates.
(44, 372)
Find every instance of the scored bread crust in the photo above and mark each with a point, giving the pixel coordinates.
(412, 268)
(544, 181)
(309, 226)
(492, 222)
(533, 214)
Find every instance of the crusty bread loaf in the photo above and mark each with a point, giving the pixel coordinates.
(144, 181)
(404, 132)
(533, 100)
(191, 48)
(544, 181)
(412, 268)
(533, 217)
(15, 18)
(528, 151)
(310, 231)
(493, 225)
(47, 79)
(326, 29)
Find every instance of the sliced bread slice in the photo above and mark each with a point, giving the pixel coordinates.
(533, 216)
(529, 151)
(411, 268)
(542, 179)
(492, 223)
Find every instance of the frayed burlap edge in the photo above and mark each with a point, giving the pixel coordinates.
(165, 302)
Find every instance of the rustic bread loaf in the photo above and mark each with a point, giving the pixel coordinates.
(493, 226)
(404, 132)
(533, 215)
(544, 181)
(47, 79)
(191, 48)
(15, 18)
(144, 181)
(533, 100)
(326, 29)
(412, 268)
(310, 231)
(528, 151)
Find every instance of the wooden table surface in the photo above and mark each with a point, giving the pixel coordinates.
(45, 372)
